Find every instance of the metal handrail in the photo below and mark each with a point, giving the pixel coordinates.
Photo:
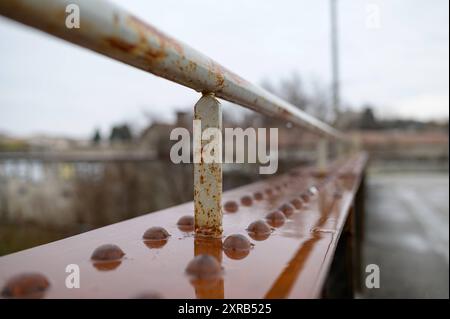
(112, 31)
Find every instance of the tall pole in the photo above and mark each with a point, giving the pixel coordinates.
(334, 56)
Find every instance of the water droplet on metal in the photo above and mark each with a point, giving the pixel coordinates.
(297, 203)
(27, 285)
(186, 223)
(204, 267)
(107, 252)
(287, 209)
(236, 246)
(259, 230)
(231, 206)
(258, 196)
(246, 201)
(276, 218)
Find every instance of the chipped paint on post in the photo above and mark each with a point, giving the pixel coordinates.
(208, 176)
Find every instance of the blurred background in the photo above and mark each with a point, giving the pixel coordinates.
(84, 140)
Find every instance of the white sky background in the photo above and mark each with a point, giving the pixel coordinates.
(50, 86)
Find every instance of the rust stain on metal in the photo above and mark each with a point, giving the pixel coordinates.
(121, 45)
(207, 174)
(146, 29)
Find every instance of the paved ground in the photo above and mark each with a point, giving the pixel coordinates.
(407, 235)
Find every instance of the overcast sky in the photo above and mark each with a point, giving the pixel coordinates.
(401, 66)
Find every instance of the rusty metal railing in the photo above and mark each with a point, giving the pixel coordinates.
(114, 32)
(110, 30)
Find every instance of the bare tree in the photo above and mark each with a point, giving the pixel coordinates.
(313, 98)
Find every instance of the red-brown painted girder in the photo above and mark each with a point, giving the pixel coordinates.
(291, 263)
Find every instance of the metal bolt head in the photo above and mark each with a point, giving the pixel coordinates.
(204, 267)
(276, 218)
(107, 252)
(287, 209)
(258, 196)
(186, 223)
(27, 285)
(246, 201)
(259, 230)
(231, 207)
(297, 203)
(156, 233)
(236, 246)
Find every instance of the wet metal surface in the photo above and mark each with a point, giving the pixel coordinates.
(296, 256)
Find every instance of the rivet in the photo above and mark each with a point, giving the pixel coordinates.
(258, 196)
(304, 197)
(155, 237)
(297, 203)
(148, 295)
(156, 233)
(259, 230)
(246, 201)
(107, 252)
(275, 218)
(231, 206)
(27, 285)
(287, 209)
(204, 267)
(236, 246)
(186, 223)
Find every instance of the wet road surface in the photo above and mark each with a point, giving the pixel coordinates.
(407, 235)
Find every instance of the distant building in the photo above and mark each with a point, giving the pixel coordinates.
(157, 136)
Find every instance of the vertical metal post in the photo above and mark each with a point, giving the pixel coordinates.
(207, 171)
(322, 155)
(334, 56)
